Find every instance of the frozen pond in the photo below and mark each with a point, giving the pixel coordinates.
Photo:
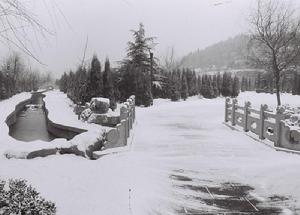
(31, 123)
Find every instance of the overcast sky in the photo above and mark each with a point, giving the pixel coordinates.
(185, 25)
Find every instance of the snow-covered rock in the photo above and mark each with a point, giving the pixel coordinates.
(100, 105)
(104, 119)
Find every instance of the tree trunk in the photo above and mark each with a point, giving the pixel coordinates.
(277, 79)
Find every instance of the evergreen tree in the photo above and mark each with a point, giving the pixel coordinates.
(227, 85)
(81, 84)
(143, 89)
(258, 85)
(174, 87)
(215, 86)
(3, 93)
(235, 87)
(139, 60)
(184, 87)
(199, 80)
(244, 84)
(295, 89)
(95, 82)
(63, 83)
(108, 86)
(207, 90)
(219, 82)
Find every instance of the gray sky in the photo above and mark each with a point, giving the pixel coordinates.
(185, 25)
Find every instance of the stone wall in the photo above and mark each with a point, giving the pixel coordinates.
(118, 136)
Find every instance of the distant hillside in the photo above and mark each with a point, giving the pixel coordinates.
(228, 54)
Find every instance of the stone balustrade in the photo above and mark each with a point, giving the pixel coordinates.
(264, 123)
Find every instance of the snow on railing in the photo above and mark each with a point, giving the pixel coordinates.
(267, 124)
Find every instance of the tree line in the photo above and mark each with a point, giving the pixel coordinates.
(15, 77)
(182, 83)
(139, 74)
(86, 83)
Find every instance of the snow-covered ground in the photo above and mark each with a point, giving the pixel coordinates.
(186, 139)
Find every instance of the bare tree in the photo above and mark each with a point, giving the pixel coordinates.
(275, 38)
(19, 25)
(170, 62)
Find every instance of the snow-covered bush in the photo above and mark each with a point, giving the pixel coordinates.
(16, 197)
(85, 114)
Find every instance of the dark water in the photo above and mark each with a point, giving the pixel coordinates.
(31, 123)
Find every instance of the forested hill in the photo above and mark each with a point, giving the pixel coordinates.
(228, 54)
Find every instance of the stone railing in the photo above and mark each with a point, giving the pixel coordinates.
(118, 136)
(264, 123)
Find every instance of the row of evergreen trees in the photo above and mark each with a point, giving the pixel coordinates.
(140, 75)
(87, 83)
(181, 84)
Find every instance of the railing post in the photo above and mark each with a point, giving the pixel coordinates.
(263, 108)
(227, 100)
(278, 131)
(234, 103)
(246, 113)
(133, 108)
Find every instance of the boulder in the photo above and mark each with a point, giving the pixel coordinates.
(100, 119)
(100, 105)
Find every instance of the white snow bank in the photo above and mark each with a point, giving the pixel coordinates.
(100, 99)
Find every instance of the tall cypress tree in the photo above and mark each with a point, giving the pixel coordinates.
(184, 86)
(227, 85)
(235, 87)
(95, 82)
(108, 86)
(174, 87)
(199, 80)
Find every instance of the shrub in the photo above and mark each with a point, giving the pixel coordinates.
(16, 197)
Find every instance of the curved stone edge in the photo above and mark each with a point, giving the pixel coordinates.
(59, 131)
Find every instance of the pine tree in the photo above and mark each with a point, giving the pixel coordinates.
(199, 80)
(258, 85)
(63, 83)
(81, 76)
(207, 89)
(139, 60)
(227, 85)
(295, 83)
(108, 86)
(95, 82)
(235, 87)
(219, 82)
(215, 86)
(3, 93)
(174, 87)
(184, 87)
(244, 84)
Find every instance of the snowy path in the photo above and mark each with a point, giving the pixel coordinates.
(182, 158)
(188, 142)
